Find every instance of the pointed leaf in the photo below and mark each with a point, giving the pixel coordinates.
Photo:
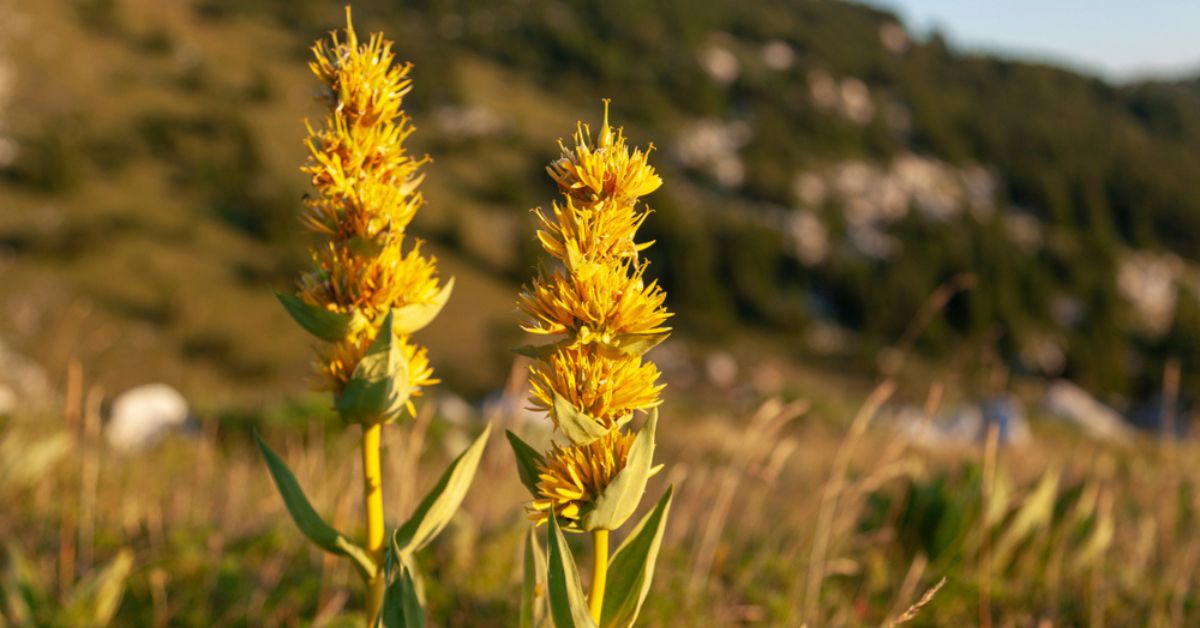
(633, 345)
(621, 497)
(401, 607)
(307, 519)
(378, 390)
(568, 606)
(528, 462)
(435, 511)
(409, 562)
(632, 568)
(316, 320)
(1036, 513)
(96, 599)
(580, 428)
(411, 318)
(533, 586)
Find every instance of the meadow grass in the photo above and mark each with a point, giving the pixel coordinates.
(779, 516)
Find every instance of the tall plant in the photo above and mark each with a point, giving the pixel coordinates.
(592, 381)
(368, 291)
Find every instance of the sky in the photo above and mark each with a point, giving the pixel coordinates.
(1119, 39)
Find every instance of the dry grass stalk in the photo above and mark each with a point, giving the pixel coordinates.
(759, 447)
(829, 498)
(68, 529)
(915, 609)
(89, 474)
(985, 557)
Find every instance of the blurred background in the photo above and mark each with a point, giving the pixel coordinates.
(993, 206)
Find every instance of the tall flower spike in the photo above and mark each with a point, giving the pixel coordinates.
(365, 296)
(366, 194)
(594, 293)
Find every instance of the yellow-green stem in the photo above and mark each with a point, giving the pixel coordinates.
(373, 502)
(599, 572)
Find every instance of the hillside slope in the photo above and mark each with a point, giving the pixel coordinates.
(825, 174)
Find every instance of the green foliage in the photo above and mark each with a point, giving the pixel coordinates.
(316, 320)
(617, 502)
(436, 509)
(632, 568)
(577, 426)
(401, 607)
(307, 519)
(415, 316)
(93, 601)
(568, 605)
(378, 391)
(533, 582)
(528, 461)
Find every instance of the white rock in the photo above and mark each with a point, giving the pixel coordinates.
(856, 105)
(809, 237)
(711, 145)
(468, 122)
(722, 369)
(1148, 282)
(778, 55)
(1044, 353)
(822, 89)
(1070, 403)
(144, 415)
(894, 38)
(720, 64)
(874, 195)
(1023, 230)
(809, 189)
(967, 424)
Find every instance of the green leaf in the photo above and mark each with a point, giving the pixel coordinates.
(620, 498)
(307, 519)
(378, 389)
(632, 568)
(528, 462)
(414, 571)
(577, 426)
(95, 600)
(1036, 513)
(401, 607)
(568, 606)
(411, 318)
(316, 320)
(633, 345)
(22, 587)
(533, 586)
(435, 511)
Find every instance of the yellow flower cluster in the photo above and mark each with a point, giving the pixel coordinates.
(366, 195)
(595, 294)
(574, 476)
